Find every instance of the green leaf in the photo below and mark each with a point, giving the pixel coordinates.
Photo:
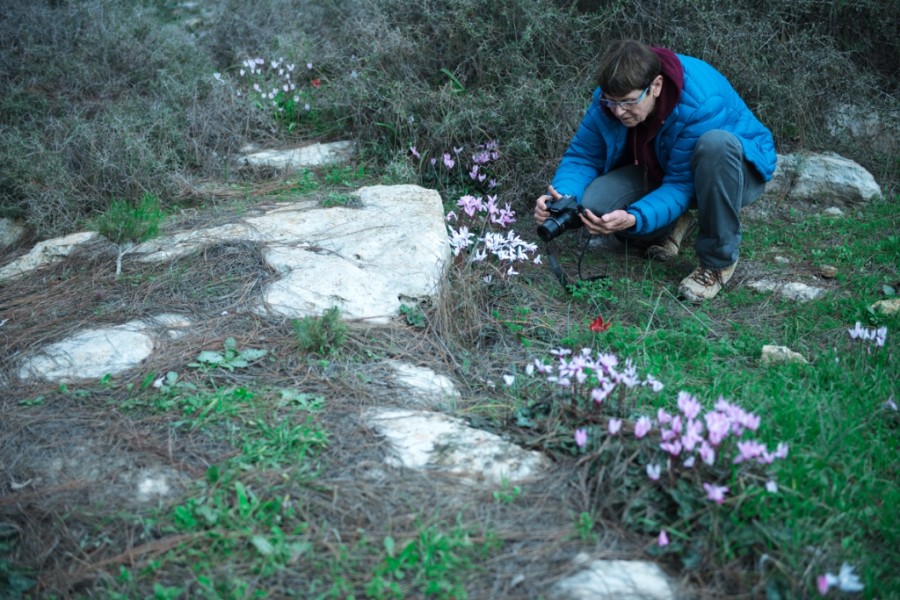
(253, 354)
(212, 474)
(263, 546)
(208, 356)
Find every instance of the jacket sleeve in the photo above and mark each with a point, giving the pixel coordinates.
(588, 155)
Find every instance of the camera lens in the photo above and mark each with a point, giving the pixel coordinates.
(552, 227)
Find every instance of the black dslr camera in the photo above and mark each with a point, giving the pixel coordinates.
(563, 215)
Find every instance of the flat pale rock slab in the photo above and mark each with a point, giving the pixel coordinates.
(428, 388)
(362, 260)
(314, 155)
(46, 253)
(616, 580)
(791, 290)
(430, 441)
(94, 353)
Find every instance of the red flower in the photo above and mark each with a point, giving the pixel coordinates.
(316, 83)
(599, 326)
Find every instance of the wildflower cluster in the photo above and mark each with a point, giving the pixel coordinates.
(864, 334)
(480, 215)
(694, 439)
(687, 447)
(477, 174)
(276, 84)
(846, 581)
(593, 377)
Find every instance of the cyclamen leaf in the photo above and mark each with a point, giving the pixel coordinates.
(253, 354)
(263, 546)
(208, 356)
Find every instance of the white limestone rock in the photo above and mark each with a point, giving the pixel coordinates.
(46, 253)
(430, 441)
(791, 290)
(91, 354)
(772, 355)
(314, 155)
(890, 306)
(427, 387)
(94, 353)
(616, 580)
(362, 260)
(826, 177)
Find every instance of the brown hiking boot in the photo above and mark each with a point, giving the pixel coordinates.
(668, 248)
(704, 283)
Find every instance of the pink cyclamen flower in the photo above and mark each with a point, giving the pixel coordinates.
(642, 427)
(707, 453)
(673, 448)
(581, 437)
(688, 405)
(654, 471)
(663, 539)
(414, 152)
(716, 493)
(822, 584)
(749, 450)
(448, 161)
(614, 426)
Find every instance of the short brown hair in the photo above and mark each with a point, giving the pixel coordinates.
(627, 65)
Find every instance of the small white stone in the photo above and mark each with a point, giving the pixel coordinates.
(891, 306)
(153, 487)
(616, 580)
(791, 290)
(772, 354)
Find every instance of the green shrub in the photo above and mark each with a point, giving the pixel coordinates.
(322, 335)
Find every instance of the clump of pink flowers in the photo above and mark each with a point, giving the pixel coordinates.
(707, 444)
(694, 439)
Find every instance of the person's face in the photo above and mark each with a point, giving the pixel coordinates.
(634, 107)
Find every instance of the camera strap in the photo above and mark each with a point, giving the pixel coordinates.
(557, 268)
(558, 271)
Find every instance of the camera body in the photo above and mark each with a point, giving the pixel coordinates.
(563, 215)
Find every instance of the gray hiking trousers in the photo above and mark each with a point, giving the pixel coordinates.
(724, 183)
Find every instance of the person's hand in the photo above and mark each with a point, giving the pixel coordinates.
(541, 213)
(611, 222)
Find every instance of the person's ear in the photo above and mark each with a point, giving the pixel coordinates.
(656, 86)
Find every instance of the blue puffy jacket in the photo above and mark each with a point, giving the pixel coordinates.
(707, 101)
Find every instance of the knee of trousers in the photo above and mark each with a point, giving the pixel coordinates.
(716, 147)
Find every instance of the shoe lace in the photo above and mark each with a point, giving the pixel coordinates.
(706, 276)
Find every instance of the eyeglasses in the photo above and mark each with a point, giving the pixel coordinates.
(625, 103)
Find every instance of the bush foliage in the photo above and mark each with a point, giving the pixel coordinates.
(106, 100)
